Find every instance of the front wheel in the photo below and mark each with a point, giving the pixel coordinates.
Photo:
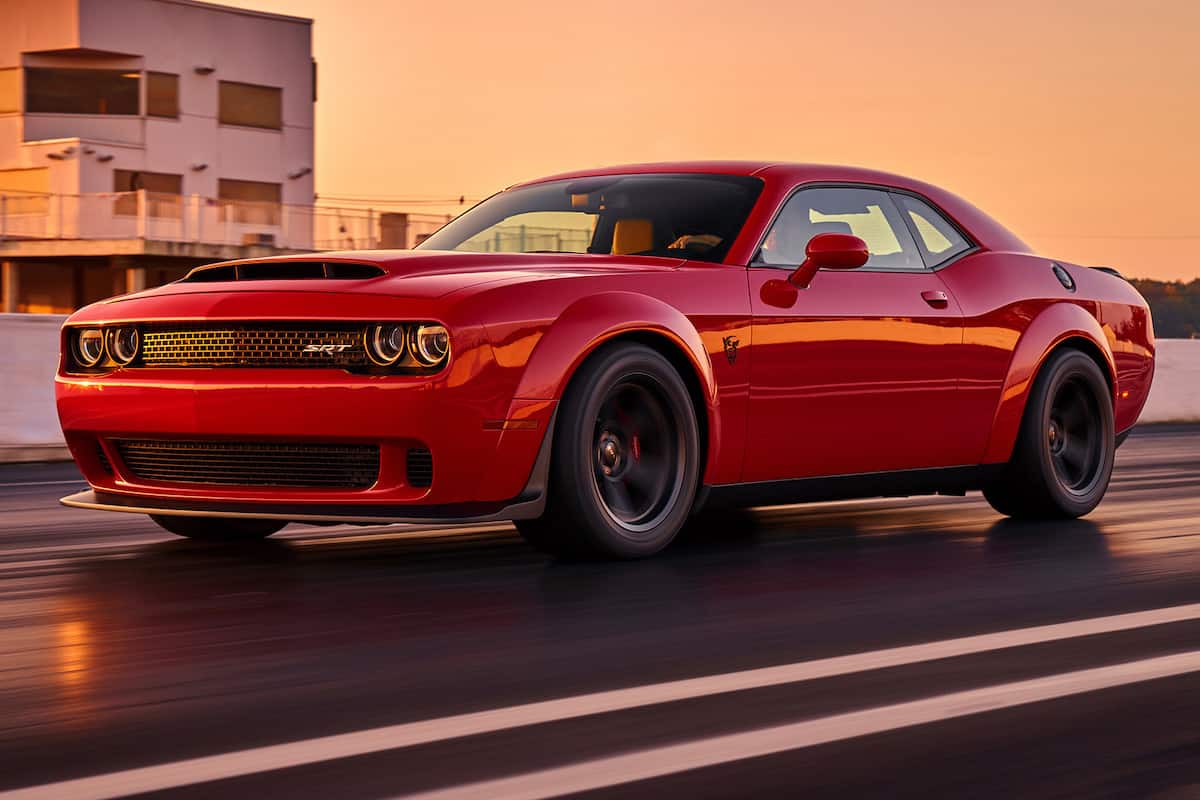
(218, 529)
(625, 461)
(1063, 457)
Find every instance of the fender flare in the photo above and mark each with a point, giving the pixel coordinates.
(588, 323)
(1051, 327)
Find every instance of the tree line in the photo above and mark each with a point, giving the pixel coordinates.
(1174, 305)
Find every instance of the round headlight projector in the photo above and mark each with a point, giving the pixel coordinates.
(430, 344)
(123, 344)
(427, 344)
(385, 343)
(89, 347)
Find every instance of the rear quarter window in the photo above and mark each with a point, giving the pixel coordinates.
(938, 239)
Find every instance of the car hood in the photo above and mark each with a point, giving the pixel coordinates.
(415, 274)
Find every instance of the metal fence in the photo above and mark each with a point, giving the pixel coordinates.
(185, 218)
(528, 238)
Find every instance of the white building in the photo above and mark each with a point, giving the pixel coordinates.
(139, 138)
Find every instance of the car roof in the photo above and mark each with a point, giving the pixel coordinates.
(797, 172)
(679, 167)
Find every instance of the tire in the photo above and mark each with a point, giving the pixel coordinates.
(625, 461)
(218, 529)
(1063, 457)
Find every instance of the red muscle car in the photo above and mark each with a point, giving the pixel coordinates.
(599, 355)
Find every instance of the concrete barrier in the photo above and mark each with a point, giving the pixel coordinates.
(29, 428)
(1175, 393)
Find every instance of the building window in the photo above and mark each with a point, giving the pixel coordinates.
(26, 192)
(250, 105)
(10, 90)
(163, 193)
(162, 95)
(81, 91)
(250, 202)
(33, 180)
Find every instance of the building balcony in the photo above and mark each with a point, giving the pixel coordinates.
(57, 224)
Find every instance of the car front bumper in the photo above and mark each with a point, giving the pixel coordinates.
(483, 463)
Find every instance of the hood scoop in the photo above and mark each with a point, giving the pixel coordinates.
(284, 271)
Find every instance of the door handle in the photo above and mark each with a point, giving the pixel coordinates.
(937, 299)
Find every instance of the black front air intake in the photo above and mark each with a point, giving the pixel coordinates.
(419, 464)
(301, 465)
(102, 457)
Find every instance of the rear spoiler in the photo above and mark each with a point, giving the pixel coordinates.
(1111, 271)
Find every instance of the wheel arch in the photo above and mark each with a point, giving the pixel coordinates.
(1059, 326)
(602, 320)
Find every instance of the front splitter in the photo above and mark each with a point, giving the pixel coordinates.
(522, 508)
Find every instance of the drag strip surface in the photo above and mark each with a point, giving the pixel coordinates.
(398, 661)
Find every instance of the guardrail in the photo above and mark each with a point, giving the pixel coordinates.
(29, 429)
(185, 218)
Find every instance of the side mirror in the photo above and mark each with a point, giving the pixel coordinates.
(829, 251)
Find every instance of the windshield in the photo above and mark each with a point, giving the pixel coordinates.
(677, 216)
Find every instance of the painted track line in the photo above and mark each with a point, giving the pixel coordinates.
(374, 740)
(656, 762)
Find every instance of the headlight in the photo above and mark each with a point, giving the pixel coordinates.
(430, 344)
(123, 344)
(385, 343)
(89, 346)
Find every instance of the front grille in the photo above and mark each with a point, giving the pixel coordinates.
(276, 345)
(419, 467)
(329, 466)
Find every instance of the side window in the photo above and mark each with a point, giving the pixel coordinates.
(869, 214)
(940, 241)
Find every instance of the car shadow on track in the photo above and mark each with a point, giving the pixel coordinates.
(726, 549)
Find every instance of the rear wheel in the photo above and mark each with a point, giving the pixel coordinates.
(625, 461)
(218, 529)
(1063, 457)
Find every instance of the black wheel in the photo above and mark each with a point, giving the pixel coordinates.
(625, 460)
(1063, 457)
(218, 529)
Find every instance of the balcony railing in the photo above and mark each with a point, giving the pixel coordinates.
(185, 218)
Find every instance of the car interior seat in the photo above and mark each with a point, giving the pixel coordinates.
(632, 235)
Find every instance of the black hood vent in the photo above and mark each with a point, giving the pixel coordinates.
(284, 271)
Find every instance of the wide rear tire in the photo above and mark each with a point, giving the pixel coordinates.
(218, 529)
(1063, 457)
(625, 462)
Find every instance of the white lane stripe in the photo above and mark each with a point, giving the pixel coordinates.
(374, 740)
(659, 761)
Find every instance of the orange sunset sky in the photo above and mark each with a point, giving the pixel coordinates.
(1074, 122)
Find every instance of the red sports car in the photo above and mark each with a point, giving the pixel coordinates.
(601, 354)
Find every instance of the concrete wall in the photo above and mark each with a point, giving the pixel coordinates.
(1175, 393)
(29, 428)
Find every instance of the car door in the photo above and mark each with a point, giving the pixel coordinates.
(859, 371)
